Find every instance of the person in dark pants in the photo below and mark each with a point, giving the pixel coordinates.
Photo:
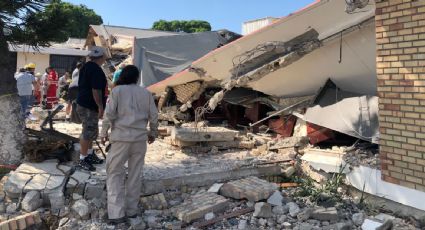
(91, 100)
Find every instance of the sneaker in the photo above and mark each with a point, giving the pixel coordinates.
(86, 165)
(92, 158)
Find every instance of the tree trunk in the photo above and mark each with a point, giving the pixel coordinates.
(12, 137)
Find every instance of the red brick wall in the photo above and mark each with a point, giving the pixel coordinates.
(400, 36)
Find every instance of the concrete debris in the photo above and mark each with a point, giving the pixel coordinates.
(82, 208)
(209, 134)
(57, 201)
(294, 209)
(250, 188)
(358, 218)
(329, 161)
(289, 171)
(198, 205)
(215, 188)
(289, 142)
(325, 214)
(93, 190)
(137, 223)
(384, 217)
(275, 199)
(370, 224)
(263, 210)
(11, 208)
(280, 210)
(156, 201)
(243, 224)
(31, 201)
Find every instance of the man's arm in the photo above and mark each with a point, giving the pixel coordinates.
(153, 119)
(111, 114)
(97, 95)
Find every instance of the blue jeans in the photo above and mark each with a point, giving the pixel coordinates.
(26, 104)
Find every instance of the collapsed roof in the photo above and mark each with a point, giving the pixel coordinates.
(334, 45)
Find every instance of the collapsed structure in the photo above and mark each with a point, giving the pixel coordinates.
(277, 129)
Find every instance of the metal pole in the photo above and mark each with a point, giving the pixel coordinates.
(279, 112)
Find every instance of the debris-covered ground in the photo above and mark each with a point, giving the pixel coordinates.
(235, 180)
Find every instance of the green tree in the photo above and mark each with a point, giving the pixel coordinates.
(79, 17)
(20, 22)
(191, 26)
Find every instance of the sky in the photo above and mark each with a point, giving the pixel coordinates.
(221, 14)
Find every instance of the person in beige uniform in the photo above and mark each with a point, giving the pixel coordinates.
(128, 111)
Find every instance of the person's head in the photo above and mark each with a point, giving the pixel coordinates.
(97, 55)
(67, 74)
(31, 67)
(21, 70)
(129, 75)
(79, 65)
(48, 69)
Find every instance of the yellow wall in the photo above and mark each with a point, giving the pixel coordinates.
(40, 60)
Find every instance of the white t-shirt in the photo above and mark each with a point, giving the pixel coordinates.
(24, 81)
(75, 76)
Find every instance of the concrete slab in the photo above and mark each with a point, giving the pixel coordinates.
(55, 182)
(15, 184)
(37, 183)
(203, 134)
(326, 160)
(198, 205)
(251, 188)
(40, 168)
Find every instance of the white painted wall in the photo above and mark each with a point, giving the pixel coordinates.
(40, 60)
(252, 26)
(373, 184)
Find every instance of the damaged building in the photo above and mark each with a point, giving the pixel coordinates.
(314, 121)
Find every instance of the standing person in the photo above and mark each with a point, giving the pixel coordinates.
(63, 84)
(43, 88)
(37, 89)
(117, 73)
(91, 100)
(128, 111)
(52, 87)
(73, 88)
(25, 83)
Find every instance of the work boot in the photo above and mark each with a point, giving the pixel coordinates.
(92, 158)
(86, 165)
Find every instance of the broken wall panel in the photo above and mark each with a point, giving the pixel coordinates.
(355, 72)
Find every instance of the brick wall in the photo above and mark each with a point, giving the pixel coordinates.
(400, 36)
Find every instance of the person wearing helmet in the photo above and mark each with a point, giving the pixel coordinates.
(25, 82)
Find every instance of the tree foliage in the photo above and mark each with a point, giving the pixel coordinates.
(78, 18)
(191, 26)
(20, 22)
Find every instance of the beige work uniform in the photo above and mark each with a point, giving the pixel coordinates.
(127, 113)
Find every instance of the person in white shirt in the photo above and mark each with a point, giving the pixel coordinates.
(25, 82)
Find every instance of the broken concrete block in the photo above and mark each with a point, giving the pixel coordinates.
(383, 217)
(11, 208)
(294, 209)
(77, 182)
(31, 201)
(76, 196)
(137, 223)
(93, 190)
(263, 210)
(57, 201)
(82, 208)
(215, 188)
(156, 202)
(204, 134)
(275, 199)
(280, 210)
(251, 188)
(358, 218)
(15, 183)
(304, 214)
(288, 172)
(55, 182)
(198, 205)
(289, 142)
(286, 225)
(243, 224)
(326, 160)
(325, 214)
(370, 224)
(46, 167)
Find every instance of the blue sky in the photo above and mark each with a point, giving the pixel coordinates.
(222, 14)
